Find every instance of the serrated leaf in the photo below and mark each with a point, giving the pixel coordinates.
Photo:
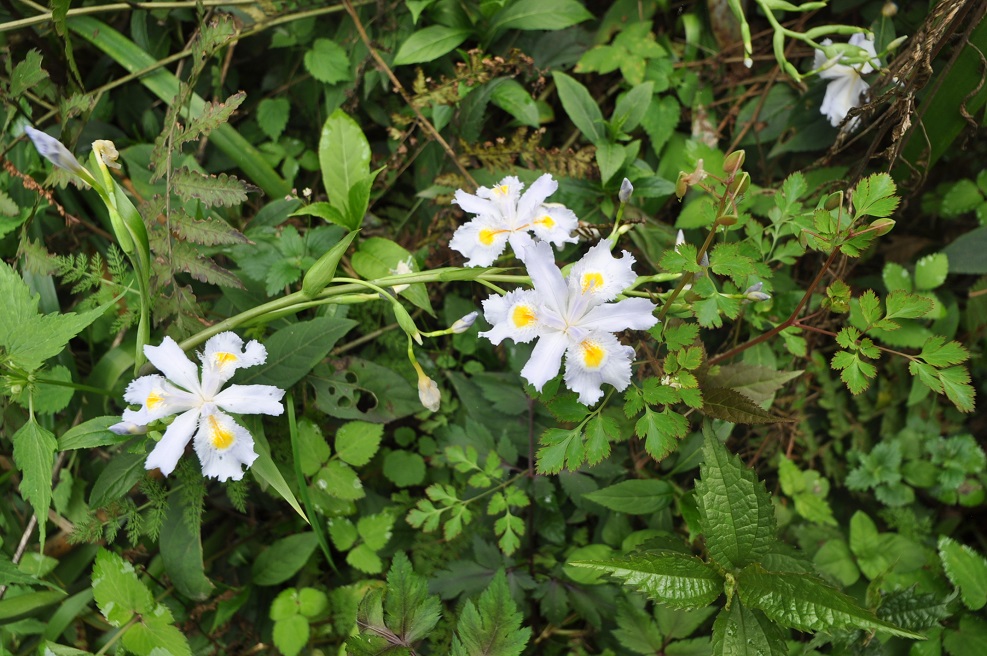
(212, 116)
(211, 190)
(875, 196)
(902, 305)
(939, 354)
(328, 62)
(681, 259)
(358, 441)
(736, 514)
(208, 232)
(730, 405)
(636, 630)
(186, 258)
(410, 611)
(743, 631)
(599, 431)
(661, 431)
(726, 260)
(492, 627)
(805, 603)
(956, 385)
(272, 116)
(680, 336)
(117, 590)
(156, 635)
(27, 74)
(967, 570)
(34, 455)
(560, 448)
(338, 479)
(676, 580)
(756, 382)
(856, 373)
(635, 497)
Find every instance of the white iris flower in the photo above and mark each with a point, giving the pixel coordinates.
(573, 317)
(505, 215)
(221, 444)
(846, 85)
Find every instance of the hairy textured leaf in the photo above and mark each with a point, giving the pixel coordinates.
(753, 381)
(736, 514)
(117, 590)
(743, 631)
(807, 604)
(730, 405)
(34, 455)
(213, 115)
(211, 190)
(411, 612)
(208, 232)
(676, 580)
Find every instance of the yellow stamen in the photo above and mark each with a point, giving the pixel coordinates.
(154, 399)
(522, 315)
(592, 281)
(592, 354)
(220, 437)
(222, 358)
(546, 221)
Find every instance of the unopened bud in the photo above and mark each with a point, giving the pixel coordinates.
(756, 287)
(464, 324)
(406, 322)
(748, 62)
(53, 150)
(733, 162)
(758, 296)
(679, 239)
(127, 428)
(882, 226)
(626, 189)
(428, 393)
(889, 10)
(726, 220)
(681, 185)
(739, 185)
(834, 201)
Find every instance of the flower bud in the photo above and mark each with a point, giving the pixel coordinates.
(734, 161)
(726, 220)
(428, 393)
(464, 324)
(889, 10)
(834, 201)
(626, 189)
(324, 270)
(128, 428)
(704, 260)
(882, 226)
(681, 185)
(406, 322)
(739, 184)
(748, 62)
(758, 296)
(53, 150)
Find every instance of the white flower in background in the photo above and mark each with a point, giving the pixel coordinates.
(54, 151)
(403, 267)
(505, 215)
(845, 82)
(573, 317)
(221, 444)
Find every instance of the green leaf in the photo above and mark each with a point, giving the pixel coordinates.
(632, 106)
(291, 635)
(875, 196)
(338, 479)
(538, 15)
(856, 373)
(292, 352)
(805, 603)
(600, 430)
(939, 354)
(730, 405)
(931, 271)
(636, 497)
(28, 603)
(727, 260)
(580, 107)
(661, 431)
(328, 62)
(117, 590)
(34, 455)
(181, 552)
(27, 74)
(743, 631)
(511, 96)
(492, 626)
(956, 385)
(410, 611)
(835, 559)
(358, 441)
(736, 514)
(375, 530)
(404, 468)
(156, 635)
(378, 258)
(610, 158)
(283, 559)
(272, 116)
(266, 472)
(756, 382)
(967, 570)
(116, 479)
(430, 43)
(560, 448)
(212, 190)
(637, 631)
(902, 305)
(676, 580)
(344, 157)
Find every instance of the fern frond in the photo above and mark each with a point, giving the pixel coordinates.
(211, 190)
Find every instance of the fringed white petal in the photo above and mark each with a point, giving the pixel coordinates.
(546, 359)
(251, 399)
(630, 313)
(601, 274)
(536, 194)
(598, 359)
(165, 454)
(481, 241)
(223, 447)
(171, 360)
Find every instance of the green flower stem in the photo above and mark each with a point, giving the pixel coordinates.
(75, 386)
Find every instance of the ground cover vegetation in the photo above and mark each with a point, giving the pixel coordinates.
(493, 327)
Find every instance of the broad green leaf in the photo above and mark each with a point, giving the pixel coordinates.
(29, 603)
(636, 630)
(338, 479)
(970, 639)
(375, 530)
(539, 15)
(511, 96)
(430, 43)
(492, 625)
(344, 156)
(291, 634)
(283, 559)
(743, 631)
(967, 570)
(91, 434)
(358, 441)
(117, 590)
(730, 405)
(636, 497)
(805, 603)
(378, 258)
(404, 468)
(272, 116)
(931, 271)
(34, 455)
(181, 552)
(292, 352)
(610, 158)
(156, 635)
(328, 62)
(580, 107)
(632, 106)
(835, 559)
(676, 580)
(121, 474)
(736, 514)
(364, 390)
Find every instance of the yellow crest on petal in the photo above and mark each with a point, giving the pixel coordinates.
(219, 436)
(153, 400)
(592, 281)
(223, 358)
(523, 315)
(592, 353)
